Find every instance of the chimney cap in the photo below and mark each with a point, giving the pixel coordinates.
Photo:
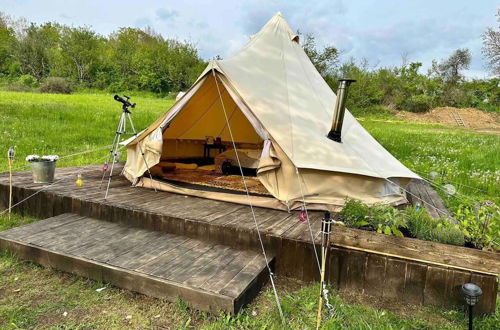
(347, 79)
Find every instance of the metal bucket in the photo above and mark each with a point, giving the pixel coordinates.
(43, 171)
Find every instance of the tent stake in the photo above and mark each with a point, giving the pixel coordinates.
(10, 158)
(326, 227)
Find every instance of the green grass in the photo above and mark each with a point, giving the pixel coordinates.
(32, 296)
(468, 160)
(46, 124)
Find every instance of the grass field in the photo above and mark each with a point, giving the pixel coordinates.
(31, 296)
(46, 124)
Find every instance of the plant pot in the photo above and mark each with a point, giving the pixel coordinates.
(43, 171)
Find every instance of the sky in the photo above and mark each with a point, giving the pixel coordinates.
(382, 31)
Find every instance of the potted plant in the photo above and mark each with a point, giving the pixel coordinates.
(43, 168)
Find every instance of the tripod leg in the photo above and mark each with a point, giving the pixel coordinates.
(110, 157)
(142, 151)
(115, 151)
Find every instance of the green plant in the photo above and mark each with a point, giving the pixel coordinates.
(27, 80)
(419, 222)
(418, 103)
(355, 213)
(386, 219)
(422, 226)
(56, 85)
(447, 234)
(480, 224)
(382, 218)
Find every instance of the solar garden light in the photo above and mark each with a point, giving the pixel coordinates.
(471, 293)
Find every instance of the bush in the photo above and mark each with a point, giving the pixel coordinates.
(384, 219)
(422, 226)
(27, 81)
(480, 225)
(418, 103)
(355, 214)
(447, 234)
(56, 85)
(390, 221)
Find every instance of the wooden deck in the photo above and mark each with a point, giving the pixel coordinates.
(207, 276)
(400, 268)
(421, 193)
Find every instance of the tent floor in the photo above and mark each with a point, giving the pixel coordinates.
(207, 276)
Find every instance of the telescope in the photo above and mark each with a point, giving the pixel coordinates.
(126, 102)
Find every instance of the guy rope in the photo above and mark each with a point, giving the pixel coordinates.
(249, 201)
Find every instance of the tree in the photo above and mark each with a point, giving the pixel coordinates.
(7, 39)
(33, 49)
(325, 60)
(491, 47)
(80, 47)
(449, 69)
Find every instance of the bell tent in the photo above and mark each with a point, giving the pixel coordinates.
(268, 109)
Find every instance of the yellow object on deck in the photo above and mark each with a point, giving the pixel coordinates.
(79, 181)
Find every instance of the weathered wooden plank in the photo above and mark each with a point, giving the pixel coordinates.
(211, 268)
(435, 286)
(240, 282)
(39, 226)
(226, 274)
(394, 283)
(415, 283)
(356, 262)
(181, 263)
(489, 286)
(118, 244)
(454, 281)
(417, 250)
(374, 274)
(166, 258)
(146, 252)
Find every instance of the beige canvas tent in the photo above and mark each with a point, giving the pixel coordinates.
(269, 98)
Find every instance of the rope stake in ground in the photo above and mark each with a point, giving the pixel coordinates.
(249, 201)
(10, 159)
(326, 227)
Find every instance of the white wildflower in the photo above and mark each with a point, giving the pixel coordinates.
(32, 158)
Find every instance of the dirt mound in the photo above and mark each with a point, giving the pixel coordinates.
(472, 117)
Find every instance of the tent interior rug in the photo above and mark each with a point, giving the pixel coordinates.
(129, 239)
(207, 276)
(209, 180)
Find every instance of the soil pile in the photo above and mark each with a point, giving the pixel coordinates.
(472, 117)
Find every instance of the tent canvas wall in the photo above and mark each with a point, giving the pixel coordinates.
(270, 96)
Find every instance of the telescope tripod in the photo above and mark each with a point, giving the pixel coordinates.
(121, 130)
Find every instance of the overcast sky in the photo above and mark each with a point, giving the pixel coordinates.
(378, 30)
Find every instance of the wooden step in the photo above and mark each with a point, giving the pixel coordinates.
(207, 276)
